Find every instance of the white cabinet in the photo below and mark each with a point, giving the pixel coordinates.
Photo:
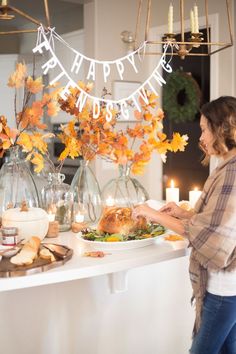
(7, 66)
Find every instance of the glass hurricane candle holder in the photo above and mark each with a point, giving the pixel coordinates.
(16, 182)
(57, 200)
(86, 195)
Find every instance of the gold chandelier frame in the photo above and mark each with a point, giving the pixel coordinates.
(6, 14)
(183, 47)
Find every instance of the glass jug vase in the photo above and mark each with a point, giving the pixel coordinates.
(87, 206)
(57, 200)
(124, 191)
(16, 182)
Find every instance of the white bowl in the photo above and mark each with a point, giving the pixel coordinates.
(11, 252)
(30, 223)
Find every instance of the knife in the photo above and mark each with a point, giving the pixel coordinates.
(58, 250)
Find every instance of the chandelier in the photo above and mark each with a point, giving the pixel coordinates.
(184, 46)
(9, 13)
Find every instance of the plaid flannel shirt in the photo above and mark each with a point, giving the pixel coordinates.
(212, 230)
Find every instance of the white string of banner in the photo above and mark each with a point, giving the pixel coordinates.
(43, 43)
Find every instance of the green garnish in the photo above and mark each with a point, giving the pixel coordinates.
(152, 230)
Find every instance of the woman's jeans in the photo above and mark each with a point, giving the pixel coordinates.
(217, 334)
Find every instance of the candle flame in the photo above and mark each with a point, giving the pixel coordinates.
(110, 201)
(172, 183)
(51, 216)
(79, 217)
(196, 188)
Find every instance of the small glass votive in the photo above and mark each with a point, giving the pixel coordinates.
(51, 216)
(78, 226)
(79, 218)
(53, 229)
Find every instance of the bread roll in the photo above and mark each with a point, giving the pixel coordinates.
(46, 254)
(28, 252)
(119, 220)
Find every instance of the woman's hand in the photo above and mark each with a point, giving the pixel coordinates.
(171, 209)
(164, 216)
(174, 210)
(149, 213)
(142, 210)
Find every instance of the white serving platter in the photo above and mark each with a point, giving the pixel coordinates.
(121, 245)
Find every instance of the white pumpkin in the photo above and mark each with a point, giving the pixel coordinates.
(33, 222)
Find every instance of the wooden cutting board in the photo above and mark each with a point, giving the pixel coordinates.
(7, 269)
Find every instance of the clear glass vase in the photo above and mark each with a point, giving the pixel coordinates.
(124, 191)
(57, 200)
(16, 182)
(41, 179)
(87, 205)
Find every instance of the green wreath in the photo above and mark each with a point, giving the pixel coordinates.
(181, 97)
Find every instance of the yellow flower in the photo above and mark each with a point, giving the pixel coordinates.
(34, 86)
(26, 142)
(132, 146)
(179, 142)
(28, 132)
(53, 108)
(38, 161)
(17, 79)
(113, 239)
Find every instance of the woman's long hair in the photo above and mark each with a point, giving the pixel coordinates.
(221, 119)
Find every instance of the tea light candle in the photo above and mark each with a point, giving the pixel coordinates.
(194, 195)
(79, 217)
(110, 201)
(170, 19)
(172, 193)
(51, 216)
(53, 229)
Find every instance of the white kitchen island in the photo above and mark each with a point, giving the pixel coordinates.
(130, 301)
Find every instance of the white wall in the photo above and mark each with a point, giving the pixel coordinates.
(106, 31)
(7, 66)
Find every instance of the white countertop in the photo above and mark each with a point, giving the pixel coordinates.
(79, 267)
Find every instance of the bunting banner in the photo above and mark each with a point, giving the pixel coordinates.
(46, 42)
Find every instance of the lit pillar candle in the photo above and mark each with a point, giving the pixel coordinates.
(172, 193)
(79, 217)
(194, 195)
(170, 19)
(110, 201)
(51, 216)
(192, 25)
(196, 25)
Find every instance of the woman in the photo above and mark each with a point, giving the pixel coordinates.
(211, 231)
